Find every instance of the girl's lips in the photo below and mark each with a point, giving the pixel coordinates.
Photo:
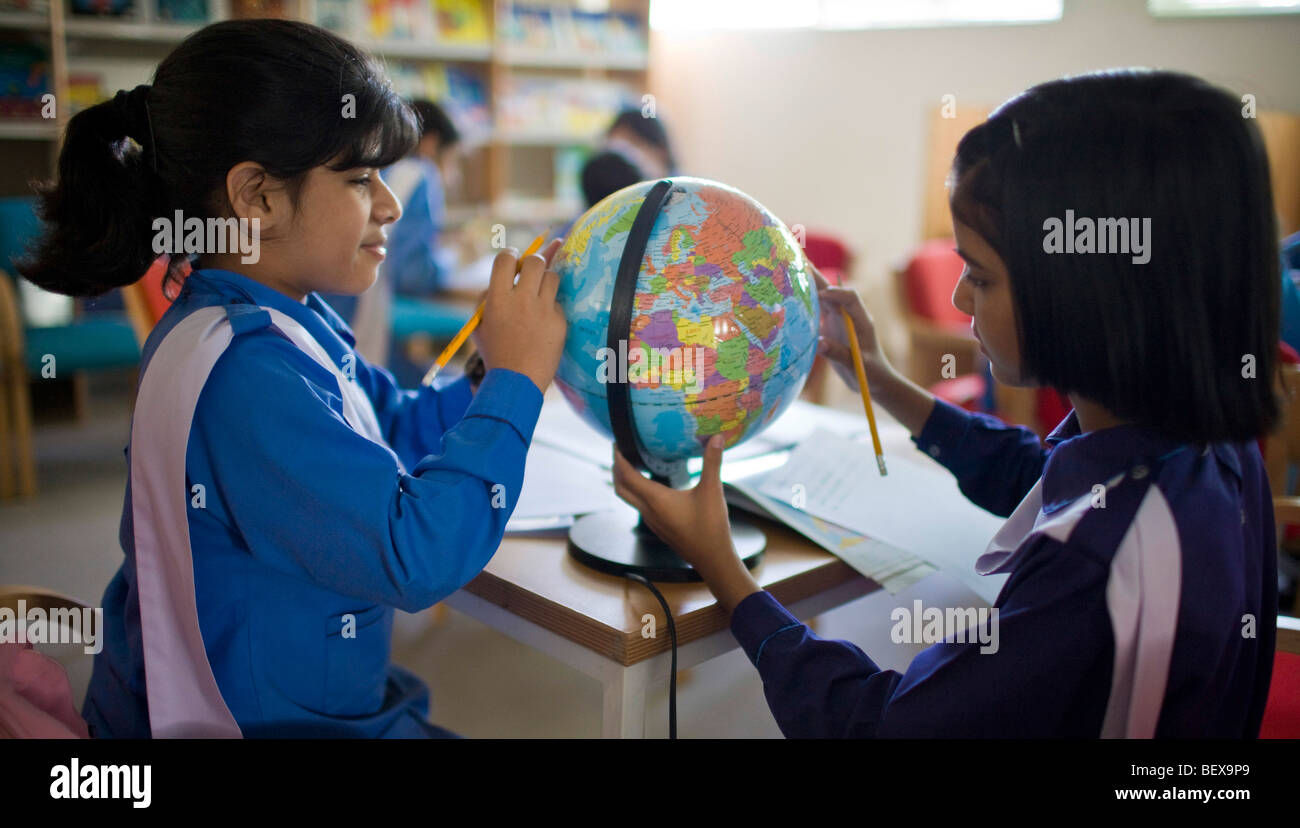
(378, 249)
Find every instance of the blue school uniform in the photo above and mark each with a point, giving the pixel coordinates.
(1191, 522)
(308, 534)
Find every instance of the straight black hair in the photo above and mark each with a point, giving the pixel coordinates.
(287, 95)
(1184, 343)
(607, 172)
(650, 130)
(434, 119)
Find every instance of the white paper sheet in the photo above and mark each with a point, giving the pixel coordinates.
(917, 507)
(557, 484)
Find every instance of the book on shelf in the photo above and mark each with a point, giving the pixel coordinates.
(461, 21)
(24, 79)
(530, 27)
(336, 15)
(559, 107)
(85, 89)
(460, 92)
(244, 9)
(397, 19)
(562, 29)
(25, 6)
(109, 8)
(183, 11)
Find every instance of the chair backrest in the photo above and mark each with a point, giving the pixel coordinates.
(828, 253)
(18, 227)
(1282, 449)
(928, 281)
(1282, 712)
(145, 300)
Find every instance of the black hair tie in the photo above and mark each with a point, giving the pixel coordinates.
(132, 110)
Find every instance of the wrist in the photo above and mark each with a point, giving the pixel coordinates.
(730, 581)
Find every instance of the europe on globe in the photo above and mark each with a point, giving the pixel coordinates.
(692, 312)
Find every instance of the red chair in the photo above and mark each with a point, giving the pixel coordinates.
(829, 255)
(833, 259)
(944, 355)
(147, 300)
(1282, 713)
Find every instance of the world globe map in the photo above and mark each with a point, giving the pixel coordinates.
(724, 320)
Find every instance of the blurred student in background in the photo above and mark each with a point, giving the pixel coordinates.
(417, 264)
(643, 141)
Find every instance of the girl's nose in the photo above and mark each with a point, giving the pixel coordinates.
(961, 298)
(387, 207)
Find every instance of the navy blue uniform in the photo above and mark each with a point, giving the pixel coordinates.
(1058, 672)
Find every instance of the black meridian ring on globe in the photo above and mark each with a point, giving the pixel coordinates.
(621, 305)
(617, 543)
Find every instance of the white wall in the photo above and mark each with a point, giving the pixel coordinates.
(829, 129)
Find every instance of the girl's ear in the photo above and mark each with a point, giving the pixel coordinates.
(254, 194)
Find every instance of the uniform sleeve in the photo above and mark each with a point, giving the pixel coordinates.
(311, 497)
(1048, 676)
(413, 420)
(995, 464)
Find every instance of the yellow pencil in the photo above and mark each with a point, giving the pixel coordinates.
(866, 393)
(463, 334)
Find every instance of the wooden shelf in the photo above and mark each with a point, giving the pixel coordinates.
(631, 62)
(24, 20)
(426, 50)
(520, 210)
(28, 130)
(132, 30)
(114, 39)
(543, 138)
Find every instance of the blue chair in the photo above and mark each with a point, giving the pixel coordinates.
(97, 341)
(427, 318)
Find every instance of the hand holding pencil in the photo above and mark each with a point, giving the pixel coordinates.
(518, 326)
(849, 342)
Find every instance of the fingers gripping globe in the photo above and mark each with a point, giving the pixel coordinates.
(692, 312)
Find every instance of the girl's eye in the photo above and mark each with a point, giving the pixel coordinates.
(364, 181)
(975, 283)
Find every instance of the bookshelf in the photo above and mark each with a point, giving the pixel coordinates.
(531, 85)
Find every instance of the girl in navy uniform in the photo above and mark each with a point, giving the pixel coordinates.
(1154, 613)
(284, 495)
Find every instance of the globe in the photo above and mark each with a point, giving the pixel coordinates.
(715, 323)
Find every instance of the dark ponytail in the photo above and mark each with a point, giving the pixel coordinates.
(287, 95)
(106, 194)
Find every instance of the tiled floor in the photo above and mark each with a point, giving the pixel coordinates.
(484, 684)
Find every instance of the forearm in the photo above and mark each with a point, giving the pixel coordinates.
(906, 401)
(729, 580)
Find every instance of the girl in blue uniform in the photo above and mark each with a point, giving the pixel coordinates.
(284, 495)
(1142, 592)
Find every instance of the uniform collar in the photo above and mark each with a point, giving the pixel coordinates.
(1079, 461)
(313, 313)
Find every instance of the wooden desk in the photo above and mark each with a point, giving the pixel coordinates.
(536, 593)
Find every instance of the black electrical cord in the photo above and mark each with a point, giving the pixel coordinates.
(672, 639)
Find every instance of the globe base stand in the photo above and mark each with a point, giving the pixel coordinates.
(619, 543)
